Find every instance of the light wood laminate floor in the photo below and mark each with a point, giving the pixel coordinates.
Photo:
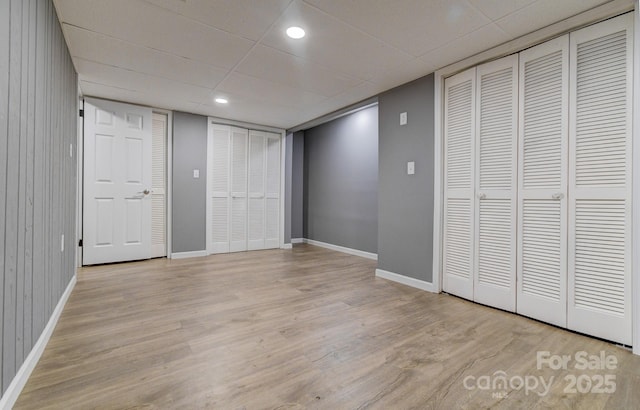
(301, 328)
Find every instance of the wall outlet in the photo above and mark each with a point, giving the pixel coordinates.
(196, 173)
(403, 118)
(411, 168)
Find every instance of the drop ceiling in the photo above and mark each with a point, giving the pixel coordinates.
(182, 54)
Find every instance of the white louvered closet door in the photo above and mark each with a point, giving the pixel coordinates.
(459, 130)
(272, 191)
(600, 180)
(256, 214)
(239, 155)
(496, 183)
(218, 181)
(158, 185)
(542, 185)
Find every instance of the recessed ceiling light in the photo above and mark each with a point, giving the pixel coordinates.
(295, 32)
(221, 100)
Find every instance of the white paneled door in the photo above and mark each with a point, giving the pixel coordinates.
(159, 184)
(243, 199)
(600, 180)
(117, 182)
(542, 183)
(239, 205)
(459, 137)
(496, 183)
(537, 181)
(218, 172)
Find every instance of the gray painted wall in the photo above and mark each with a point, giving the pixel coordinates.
(189, 194)
(341, 181)
(38, 122)
(297, 185)
(405, 202)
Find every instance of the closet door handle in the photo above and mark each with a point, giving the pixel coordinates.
(557, 195)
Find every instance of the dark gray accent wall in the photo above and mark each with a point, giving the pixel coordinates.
(341, 181)
(297, 185)
(405, 202)
(38, 123)
(188, 211)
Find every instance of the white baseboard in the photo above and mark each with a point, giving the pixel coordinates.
(297, 240)
(184, 255)
(405, 280)
(342, 249)
(17, 384)
(286, 246)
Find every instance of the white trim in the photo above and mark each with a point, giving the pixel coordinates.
(635, 212)
(297, 240)
(287, 246)
(283, 176)
(185, 255)
(405, 280)
(17, 384)
(343, 249)
(169, 173)
(438, 189)
(79, 154)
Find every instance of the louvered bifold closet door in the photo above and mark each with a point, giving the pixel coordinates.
(542, 182)
(158, 185)
(256, 214)
(218, 179)
(496, 183)
(459, 138)
(600, 180)
(239, 155)
(272, 191)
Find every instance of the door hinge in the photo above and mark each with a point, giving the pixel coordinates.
(80, 243)
(81, 113)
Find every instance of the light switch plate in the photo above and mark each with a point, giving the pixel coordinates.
(411, 168)
(196, 173)
(403, 118)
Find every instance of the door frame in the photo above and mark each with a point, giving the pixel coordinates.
(254, 127)
(593, 16)
(80, 179)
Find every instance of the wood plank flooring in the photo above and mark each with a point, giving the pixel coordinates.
(301, 328)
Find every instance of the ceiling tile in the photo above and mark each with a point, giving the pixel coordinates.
(150, 99)
(415, 26)
(103, 49)
(270, 64)
(494, 9)
(267, 92)
(133, 81)
(332, 43)
(403, 73)
(245, 18)
(155, 27)
(247, 109)
(471, 44)
(542, 13)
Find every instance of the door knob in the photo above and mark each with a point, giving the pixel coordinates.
(557, 195)
(482, 196)
(146, 192)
